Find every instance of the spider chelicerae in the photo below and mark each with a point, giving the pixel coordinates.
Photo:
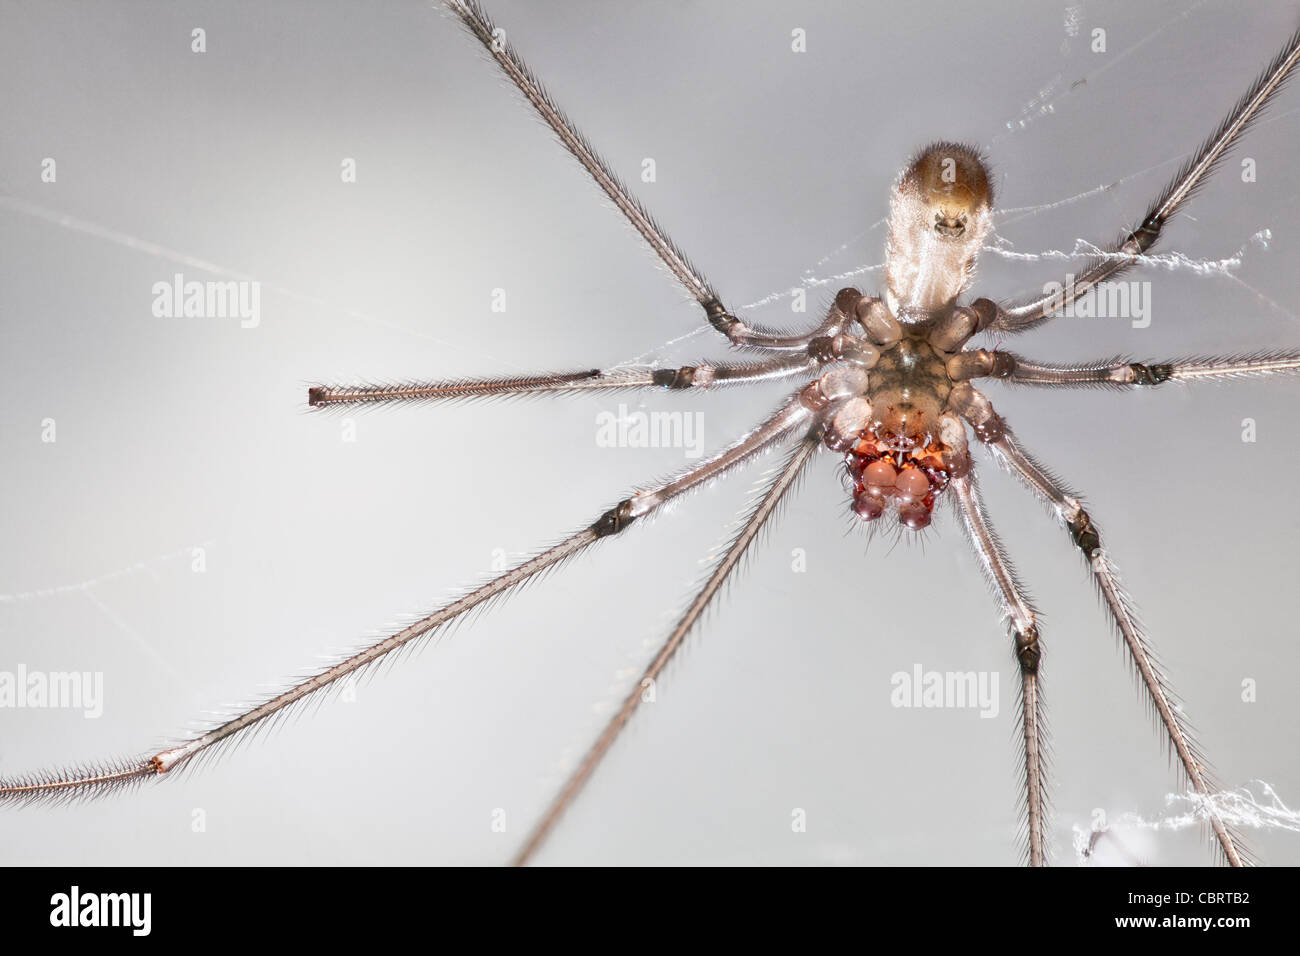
(897, 404)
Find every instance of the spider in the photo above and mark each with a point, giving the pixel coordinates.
(846, 347)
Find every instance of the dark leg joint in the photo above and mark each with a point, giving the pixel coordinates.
(992, 429)
(822, 348)
(956, 462)
(719, 317)
(683, 377)
(615, 519)
(316, 396)
(846, 300)
(1085, 534)
(1151, 374)
(1145, 236)
(986, 312)
(1004, 364)
(1028, 651)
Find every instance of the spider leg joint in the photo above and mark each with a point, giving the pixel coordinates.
(614, 520)
(683, 377)
(1085, 534)
(1028, 651)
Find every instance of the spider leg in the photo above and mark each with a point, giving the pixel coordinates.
(478, 23)
(744, 335)
(815, 352)
(700, 376)
(1020, 614)
(993, 431)
(1190, 177)
(756, 520)
(92, 779)
(476, 20)
(1118, 372)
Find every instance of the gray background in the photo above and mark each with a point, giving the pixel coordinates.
(177, 432)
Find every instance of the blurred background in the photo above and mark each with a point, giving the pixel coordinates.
(772, 170)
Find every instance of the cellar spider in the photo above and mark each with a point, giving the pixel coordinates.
(899, 558)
